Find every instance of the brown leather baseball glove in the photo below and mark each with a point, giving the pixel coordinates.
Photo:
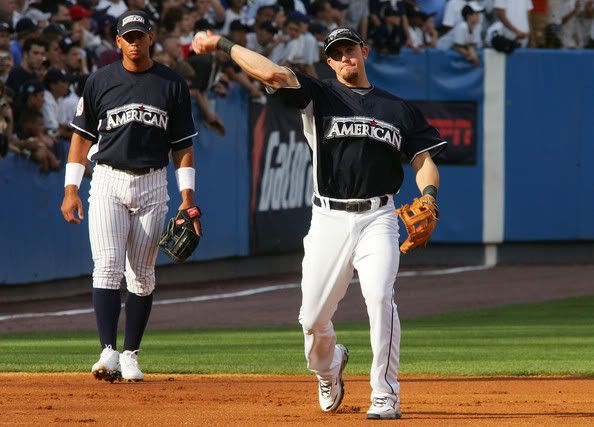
(420, 219)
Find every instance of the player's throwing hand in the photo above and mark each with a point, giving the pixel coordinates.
(205, 42)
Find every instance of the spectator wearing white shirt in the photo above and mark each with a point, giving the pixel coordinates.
(465, 38)
(56, 88)
(113, 7)
(564, 23)
(515, 16)
(236, 11)
(262, 40)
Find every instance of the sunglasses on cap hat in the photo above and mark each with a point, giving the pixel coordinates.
(339, 34)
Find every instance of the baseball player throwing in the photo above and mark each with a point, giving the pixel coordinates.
(131, 115)
(356, 133)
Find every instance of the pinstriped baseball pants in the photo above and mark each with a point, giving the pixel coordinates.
(337, 243)
(126, 217)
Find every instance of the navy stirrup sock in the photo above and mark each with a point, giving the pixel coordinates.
(138, 310)
(107, 304)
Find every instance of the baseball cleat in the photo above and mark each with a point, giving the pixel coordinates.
(331, 392)
(107, 367)
(129, 365)
(384, 408)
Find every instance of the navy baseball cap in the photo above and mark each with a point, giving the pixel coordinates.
(134, 20)
(32, 86)
(342, 33)
(55, 75)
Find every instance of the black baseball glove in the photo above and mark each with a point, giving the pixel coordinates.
(179, 239)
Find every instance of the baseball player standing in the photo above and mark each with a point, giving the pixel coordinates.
(356, 133)
(131, 115)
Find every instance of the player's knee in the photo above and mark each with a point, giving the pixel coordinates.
(313, 325)
(142, 289)
(105, 279)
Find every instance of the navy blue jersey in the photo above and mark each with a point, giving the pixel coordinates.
(135, 119)
(356, 140)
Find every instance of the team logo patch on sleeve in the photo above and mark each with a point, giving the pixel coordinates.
(80, 107)
(340, 127)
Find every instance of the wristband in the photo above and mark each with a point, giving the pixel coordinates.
(74, 174)
(185, 178)
(430, 190)
(225, 45)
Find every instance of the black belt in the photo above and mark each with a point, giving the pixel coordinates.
(358, 206)
(132, 171)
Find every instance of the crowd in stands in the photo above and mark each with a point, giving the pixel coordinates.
(49, 47)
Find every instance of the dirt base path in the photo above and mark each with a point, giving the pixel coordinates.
(77, 399)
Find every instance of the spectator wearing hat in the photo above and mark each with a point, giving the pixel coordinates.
(39, 18)
(25, 29)
(6, 64)
(56, 88)
(82, 16)
(33, 56)
(262, 40)
(390, 36)
(106, 29)
(465, 38)
(113, 7)
(5, 34)
(72, 57)
(238, 32)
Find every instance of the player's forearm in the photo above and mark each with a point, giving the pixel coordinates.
(261, 68)
(426, 171)
(185, 159)
(79, 149)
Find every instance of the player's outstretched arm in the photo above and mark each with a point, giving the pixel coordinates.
(77, 156)
(252, 63)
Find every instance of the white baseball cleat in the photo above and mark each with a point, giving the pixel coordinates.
(108, 366)
(129, 365)
(331, 392)
(384, 408)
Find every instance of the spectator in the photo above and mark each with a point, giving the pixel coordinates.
(586, 23)
(265, 8)
(422, 30)
(210, 119)
(5, 122)
(7, 12)
(453, 13)
(290, 49)
(515, 16)
(563, 26)
(31, 133)
(321, 11)
(339, 12)
(496, 39)
(212, 10)
(113, 7)
(106, 29)
(6, 64)
(147, 7)
(236, 10)
(262, 40)
(5, 34)
(82, 16)
(53, 55)
(25, 29)
(390, 36)
(67, 106)
(465, 38)
(357, 17)
(238, 32)
(56, 88)
(172, 22)
(61, 16)
(172, 47)
(33, 56)
(38, 17)
(74, 63)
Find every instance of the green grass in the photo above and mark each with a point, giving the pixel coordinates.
(551, 338)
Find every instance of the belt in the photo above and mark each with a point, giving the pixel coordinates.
(355, 206)
(131, 171)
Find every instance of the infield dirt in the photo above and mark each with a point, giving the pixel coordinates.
(229, 400)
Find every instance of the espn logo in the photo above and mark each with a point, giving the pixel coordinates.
(457, 131)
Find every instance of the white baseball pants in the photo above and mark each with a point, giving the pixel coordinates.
(126, 217)
(337, 243)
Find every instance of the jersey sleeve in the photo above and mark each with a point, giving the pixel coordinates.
(86, 119)
(420, 136)
(301, 95)
(181, 125)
